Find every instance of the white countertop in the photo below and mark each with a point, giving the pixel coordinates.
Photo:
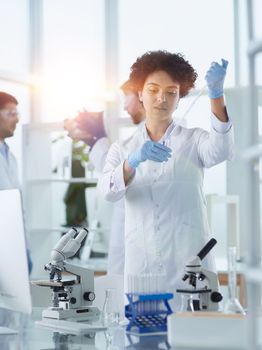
(32, 337)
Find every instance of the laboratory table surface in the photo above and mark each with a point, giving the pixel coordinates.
(32, 337)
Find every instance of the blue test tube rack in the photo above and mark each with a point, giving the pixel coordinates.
(147, 313)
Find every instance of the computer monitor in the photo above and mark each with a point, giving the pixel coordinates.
(14, 277)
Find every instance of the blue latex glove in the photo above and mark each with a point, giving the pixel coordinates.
(149, 151)
(92, 123)
(215, 78)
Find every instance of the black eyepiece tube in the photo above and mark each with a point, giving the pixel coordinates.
(206, 249)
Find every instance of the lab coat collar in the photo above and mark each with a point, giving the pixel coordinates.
(4, 149)
(169, 131)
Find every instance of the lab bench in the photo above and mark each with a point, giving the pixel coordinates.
(36, 338)
(31, 337)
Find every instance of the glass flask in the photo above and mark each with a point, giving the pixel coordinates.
(232, 305)
(110, 313)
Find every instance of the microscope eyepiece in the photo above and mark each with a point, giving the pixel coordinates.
(206, 249)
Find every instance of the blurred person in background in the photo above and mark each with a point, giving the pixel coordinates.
(9, 117)
(89, 127)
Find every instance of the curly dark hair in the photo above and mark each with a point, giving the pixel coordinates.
(173, 64)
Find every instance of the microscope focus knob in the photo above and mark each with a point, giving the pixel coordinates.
(89, 296)
(216, 297)
(73, 300)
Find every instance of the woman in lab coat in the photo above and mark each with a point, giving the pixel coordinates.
(160, 171)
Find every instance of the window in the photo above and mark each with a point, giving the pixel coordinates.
(189, 26)
(73, 62)
(14, 36)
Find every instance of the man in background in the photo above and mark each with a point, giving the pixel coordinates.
(89, 127)
(9, 118)
(8, 121)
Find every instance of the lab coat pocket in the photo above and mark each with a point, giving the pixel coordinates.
(190, 236)
(135, 249)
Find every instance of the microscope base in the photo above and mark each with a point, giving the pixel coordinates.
(83, 313)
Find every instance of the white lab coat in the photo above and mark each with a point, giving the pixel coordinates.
(166, 218)
(116, 252)
(8, 172)
(8, 180)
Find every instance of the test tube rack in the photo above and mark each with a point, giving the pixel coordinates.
(147, 313)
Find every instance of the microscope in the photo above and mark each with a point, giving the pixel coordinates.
(207, 297)
(71, 297)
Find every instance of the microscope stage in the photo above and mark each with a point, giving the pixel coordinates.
(48, 283)
(194, 291)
